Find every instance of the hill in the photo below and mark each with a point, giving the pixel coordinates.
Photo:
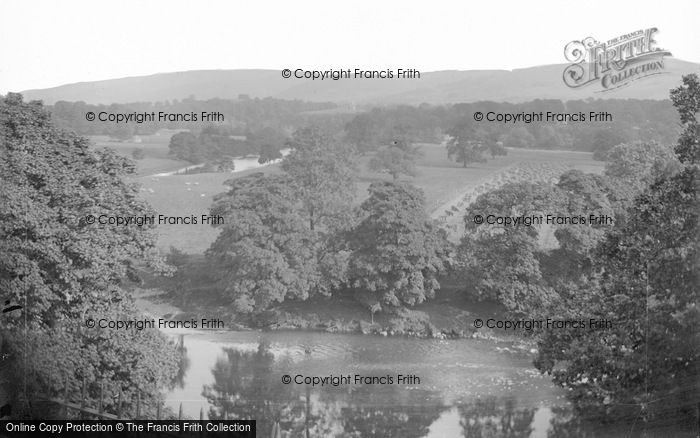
(520, 85)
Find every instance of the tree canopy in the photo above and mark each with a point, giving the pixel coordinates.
(396, 251)
(62, 268)
(644, 281)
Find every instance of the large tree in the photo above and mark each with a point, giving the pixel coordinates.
(322, 173)
(61, 266)
(265, 252)
(279, 238)
(501, 261)
(398, 155)
(396, 251)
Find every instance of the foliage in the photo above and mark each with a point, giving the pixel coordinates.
(322, 173)
(269, 142)
(396, 251)
(215, 144)
(645, 283)
(469, 144)
(578, 194)
(501, 262)
(637, 165)
(648, 292)
(519, 137)
(184, 146)
(395, 160)
(265, 251)
(686, 99)
(240, 114)
(603, 141)
(59, 266)
(135, 363)
(370, 130)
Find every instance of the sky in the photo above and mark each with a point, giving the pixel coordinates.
(46, 43)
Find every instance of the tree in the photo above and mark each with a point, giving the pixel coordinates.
(647, 364)
(469, 144)
(585, 195)
(398, 156)
(269, 152)
(269, 141)
(636, 165)
(649, 294)
(63, 268)
(364, 131)
(395, 161)
(185, 146)
(603, 141)
(501, 261)
(686, 99)
(519, 137)
(265, 252)
(396, 251)
(279, 241)
(322, 173)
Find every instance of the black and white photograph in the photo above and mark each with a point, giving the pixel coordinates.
(367, 219)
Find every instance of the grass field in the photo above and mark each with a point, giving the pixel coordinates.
(155, 148)
(184, 195)
(444, 182)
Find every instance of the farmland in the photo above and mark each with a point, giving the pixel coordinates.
(155, 149)
(446, 185)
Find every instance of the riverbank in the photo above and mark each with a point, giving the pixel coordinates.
(448, 316)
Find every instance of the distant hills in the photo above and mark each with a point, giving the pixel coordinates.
(542, 82)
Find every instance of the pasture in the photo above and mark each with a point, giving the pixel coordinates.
(185, 195)
(155, 148)
(446, 185)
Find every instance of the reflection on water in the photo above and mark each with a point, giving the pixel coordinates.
(468, 388)
(245, 387)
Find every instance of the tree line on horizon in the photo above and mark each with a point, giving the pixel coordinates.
(266, 124)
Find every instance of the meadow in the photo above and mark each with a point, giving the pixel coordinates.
(448, 187)
(155, 148)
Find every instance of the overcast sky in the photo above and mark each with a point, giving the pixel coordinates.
(50, 43)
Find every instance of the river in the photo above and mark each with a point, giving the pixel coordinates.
(239, 165)
(466, 387)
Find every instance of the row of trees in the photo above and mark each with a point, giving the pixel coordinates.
(371, 130)
(632, 120)
(240, 115)
(217, 144)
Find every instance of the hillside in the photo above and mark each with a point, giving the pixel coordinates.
(542, 82)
